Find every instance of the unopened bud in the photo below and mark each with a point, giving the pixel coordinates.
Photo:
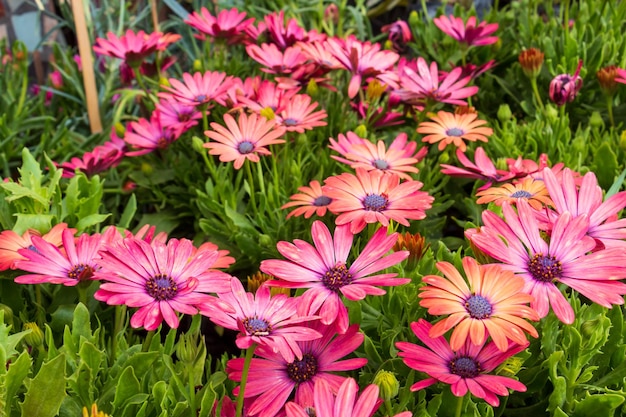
(35, 337)
(531, 61)
(361, 131)
(596, 120)
(197, 145)
(504, 113)
(197, 65)
(312, 89)
(187, 348)
(388, 384)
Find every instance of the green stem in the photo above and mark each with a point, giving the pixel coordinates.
(247, 164)
(142, 84)
(244, 378)
(192, 391)
(205, 118)
(24, 90)
(120, 317)
(388, 407)
(82, 293)
(146, 343)
(533, 82)
(609, 108)
(459, 406)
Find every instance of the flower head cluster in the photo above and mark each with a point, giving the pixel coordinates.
(133, 47)
(11, 243)
(564, 87)
(229, 25)
(468, 33)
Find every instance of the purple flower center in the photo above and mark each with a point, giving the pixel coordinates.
(161, 287)
(478, 307)
(544, 268)
(380, 164)
(245, 147)
(80, 272)
(290, 122)
(375, 202)
(322, 201)
(257, 327)
(521, 194)
(455, 131)
(465, 367)
(302, 370)
(337, 277)
(201, 98)
(33, 249)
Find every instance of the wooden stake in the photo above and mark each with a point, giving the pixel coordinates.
(155, 14)
(86, 57)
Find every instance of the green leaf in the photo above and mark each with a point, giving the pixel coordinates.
(127, 387)
(17, 372)
(47, 390)
(129, 212)
(598, 405)
(81, 324)
(605, 165)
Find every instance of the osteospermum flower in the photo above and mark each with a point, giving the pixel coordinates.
(245, 139)
(159, 278)
(261, 319)
(375, 197)
(102, 158)
(272, 380)
(11, 243)
(482, 169)
(199, 89)
(449, 128)
(466, 369)
(531, 190)
(76, 263)
(298, 114)
(323, 269)
(274, 60)
(468, 33)
(493, 304)
(177, 117)
(418, 88)
(517, 243)
(344, 404)
(133, 47)
(229, 25)
(311, 199)
(399, 159)
(564, 87)
(148, 135)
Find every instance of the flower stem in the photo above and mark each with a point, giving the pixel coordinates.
(192, 391)
(533, 82)
(146, 343)
(609, 108)
(244, 378)
(247, 163)
(120, 315)
(142, 84)
(459, 406)
(205, 119)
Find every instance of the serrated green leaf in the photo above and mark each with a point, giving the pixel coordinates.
(81, 324)
(17, 372)
(598, 405)
(47, 390)
(127, 387)
(90, 220)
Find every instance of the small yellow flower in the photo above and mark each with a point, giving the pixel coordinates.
(94, 412)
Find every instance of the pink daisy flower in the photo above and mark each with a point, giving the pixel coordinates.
(311, 199)
(262, 320)
(621, 76)
(76, 263)
(11, 243)
(148, 136)
(468, 33)
(465, 370)
(399, 159)
(271, 379)
(587, 200)
(176, 116)
(516, 241)
(323, 269)
(375, 197)
(274, 60)
(318, 53)
(199, 89)
(102, 158)
(285, 35)
(133, 47)
(299, 115)
(229, 24)
(266, 95)
(161, 279)
(482, 169)
(344, 404)
(417, 88)
(245, 139)
(399, 34)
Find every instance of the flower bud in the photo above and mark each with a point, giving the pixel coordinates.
(504, 113)
(596, 120)
(552, 114)
(622, 140)
(388, 384)
(197, 65)
(146, 168)
(8, 313)
(164, 82)
(415, 244)
(399, 34)
(197, 145)
(414, 19)
(120, 130)
(331, 13)
(187, 348)
(606, 78)
(531, 61)
(565, 87)
(361, 131)
(35, 337)
(312, 89)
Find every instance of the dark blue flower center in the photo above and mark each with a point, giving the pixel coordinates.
(337, 277)
(521, 194)
(478, 307)
(544, 268)
(245, 147)
(375, 202)
(80, 272)
(257, 327)
(33, 249)
(302, 370)
(455, 131)
(290, 122)
(200, 98)
(380, 164)
(465, 367)
(322, 201)
(161, 287)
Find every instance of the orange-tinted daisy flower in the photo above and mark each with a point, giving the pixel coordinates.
(375, 197)
(245, 139)
(493, 304)
(450, 128)
(529, 189)
(298, 114)
(11, 243)
(312, 199)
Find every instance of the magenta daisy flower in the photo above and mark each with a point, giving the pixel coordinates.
(133, 47)
(482, 169)
(417, 88)
(199, 89)
(271, 379)
(229, 24)
(466, 369)
(311, 199)
(148, 136)
(274, 60)
(245, 139)
(161, 279)
(176, 116)
(587, 200)
(102, 158)
(399, 159)
(261, 319)
(375, 197)
(467, 33)
(75, 263)
(298, 114)
(323, 269)
(517, 242)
